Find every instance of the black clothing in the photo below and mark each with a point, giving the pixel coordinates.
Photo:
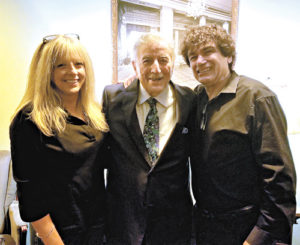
(231, 228)
(241, 157)
(61, 176)
(149, 205)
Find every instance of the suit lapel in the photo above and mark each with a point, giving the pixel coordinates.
(184, 101)
(129, 110)
(129, 101)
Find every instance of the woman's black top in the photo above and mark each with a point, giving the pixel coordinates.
(61, 176)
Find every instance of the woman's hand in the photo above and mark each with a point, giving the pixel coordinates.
(127, 81)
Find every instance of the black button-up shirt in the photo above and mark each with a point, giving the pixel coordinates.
(241, 155)
(60, 175)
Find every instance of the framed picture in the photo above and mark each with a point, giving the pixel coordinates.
(131, 18)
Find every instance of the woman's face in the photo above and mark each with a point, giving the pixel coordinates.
(68, 76)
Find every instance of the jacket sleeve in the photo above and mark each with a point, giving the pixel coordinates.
(32, 189)
(273, 155)
(105, 103)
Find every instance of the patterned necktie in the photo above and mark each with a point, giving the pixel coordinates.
(151, 130)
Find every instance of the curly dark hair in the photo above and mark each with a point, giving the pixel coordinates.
(197, 36)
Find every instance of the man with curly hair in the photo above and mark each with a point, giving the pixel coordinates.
(242, 169)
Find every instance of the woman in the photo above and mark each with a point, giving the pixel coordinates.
(57, 145)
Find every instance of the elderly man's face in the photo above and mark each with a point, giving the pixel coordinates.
(208, 64)
(153, 67)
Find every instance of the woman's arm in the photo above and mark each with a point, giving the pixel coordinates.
(33, 191)
(46, 231)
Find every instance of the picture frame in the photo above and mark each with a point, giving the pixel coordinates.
(131, 18)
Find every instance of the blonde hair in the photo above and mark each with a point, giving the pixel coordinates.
(43, 101)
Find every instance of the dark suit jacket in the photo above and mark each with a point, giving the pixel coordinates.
(147, 203)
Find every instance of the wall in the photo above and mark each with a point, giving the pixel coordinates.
(23, 24)
(268, 49)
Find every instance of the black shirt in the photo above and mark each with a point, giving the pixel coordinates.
(61, 176)
(241, 155)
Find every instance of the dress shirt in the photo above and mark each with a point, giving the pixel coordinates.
(242, 156)
(167, 110)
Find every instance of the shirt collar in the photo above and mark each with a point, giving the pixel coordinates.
(231, 86)
(165, 98)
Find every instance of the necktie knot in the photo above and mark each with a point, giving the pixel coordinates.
(152, 102)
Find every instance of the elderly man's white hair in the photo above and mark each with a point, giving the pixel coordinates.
(144, 39)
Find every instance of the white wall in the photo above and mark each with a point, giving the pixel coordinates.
(23, 24)
(268, 50)
(89, 18)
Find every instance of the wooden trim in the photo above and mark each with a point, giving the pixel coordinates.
(234, 19)
(114, 24)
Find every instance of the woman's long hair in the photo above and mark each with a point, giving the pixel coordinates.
(42, 101)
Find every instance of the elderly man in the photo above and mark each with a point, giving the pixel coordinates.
(148, 195)
(243, 172)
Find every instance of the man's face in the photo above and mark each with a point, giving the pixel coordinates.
(153, 66)
(209, 66)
